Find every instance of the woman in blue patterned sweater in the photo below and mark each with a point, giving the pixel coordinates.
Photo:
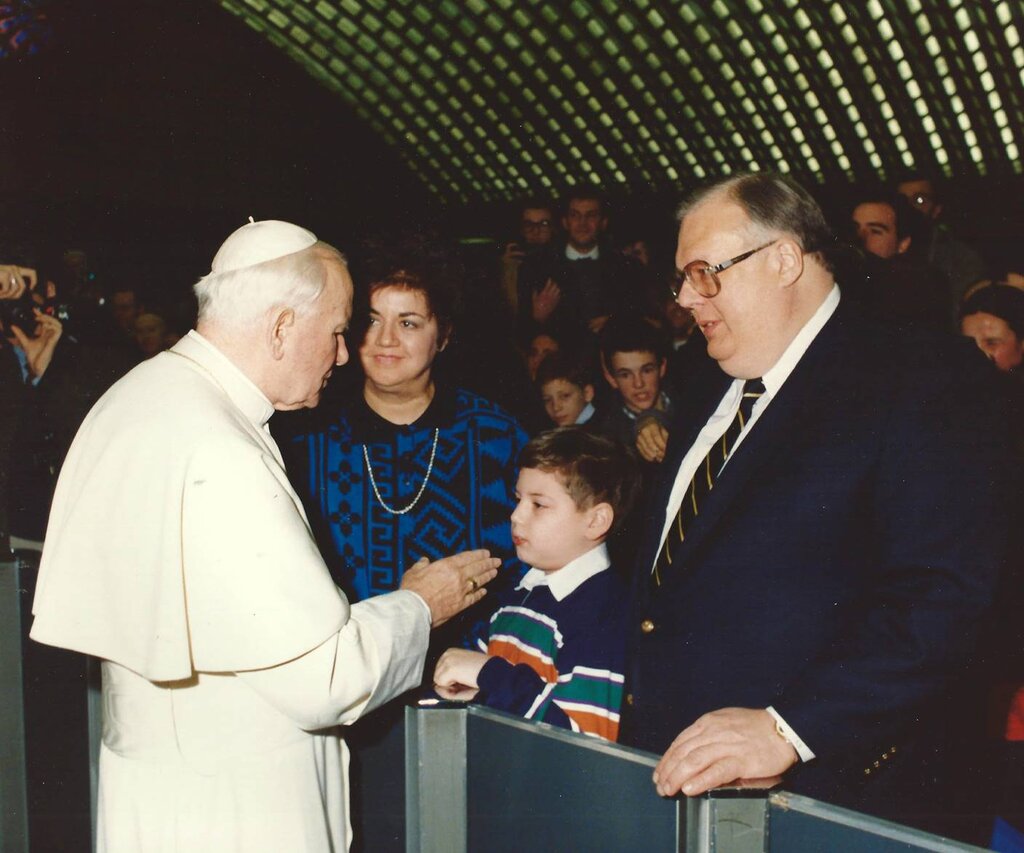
(411, 468)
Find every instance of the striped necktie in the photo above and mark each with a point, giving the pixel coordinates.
(704, 479)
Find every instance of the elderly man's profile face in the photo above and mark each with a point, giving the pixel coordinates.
(318, 344)
(745, 324)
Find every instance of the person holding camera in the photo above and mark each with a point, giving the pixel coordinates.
(28, 340)
(49, 378)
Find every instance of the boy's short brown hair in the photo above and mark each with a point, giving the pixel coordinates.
(566, 366)
(594, 468)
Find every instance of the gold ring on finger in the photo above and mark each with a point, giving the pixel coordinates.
(473, 585)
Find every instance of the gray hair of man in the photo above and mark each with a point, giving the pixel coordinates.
(240, 298)
(774, 203)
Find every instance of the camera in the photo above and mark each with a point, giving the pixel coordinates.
(19, 312)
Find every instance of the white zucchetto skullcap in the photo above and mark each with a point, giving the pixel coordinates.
(256, 242)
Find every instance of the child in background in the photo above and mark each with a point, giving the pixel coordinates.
(555, 648)
(565, 390)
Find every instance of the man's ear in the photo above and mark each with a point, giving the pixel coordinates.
(281, 331)
(789, 261)
(902, 245)
(662, 368)
(599, 521)
(588, 392)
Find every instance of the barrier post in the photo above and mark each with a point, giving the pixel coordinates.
(13, 790)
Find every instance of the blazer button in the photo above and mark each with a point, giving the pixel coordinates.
(647, 626)
(629, 699)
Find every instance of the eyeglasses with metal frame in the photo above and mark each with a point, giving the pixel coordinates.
(703, 277)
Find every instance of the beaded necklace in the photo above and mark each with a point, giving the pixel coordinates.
(423, 486)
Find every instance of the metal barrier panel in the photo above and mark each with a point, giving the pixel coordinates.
(435, 778)
(55, 712)
(482, 780)
(802, 825)
(13, 794)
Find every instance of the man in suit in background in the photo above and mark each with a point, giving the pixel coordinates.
(579, 284)
(825, 534)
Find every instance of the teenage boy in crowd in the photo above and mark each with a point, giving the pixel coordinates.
(634, 360)
(554, 650)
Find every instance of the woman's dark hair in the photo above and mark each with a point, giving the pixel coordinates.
(415, 262)
(999, 300)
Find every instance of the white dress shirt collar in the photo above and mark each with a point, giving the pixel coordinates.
(779, 372)
(564, 581)
(574, 255)
(586, 413)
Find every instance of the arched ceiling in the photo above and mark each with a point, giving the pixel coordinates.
(492, 99)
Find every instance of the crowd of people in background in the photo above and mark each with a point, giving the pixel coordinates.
(467, 357)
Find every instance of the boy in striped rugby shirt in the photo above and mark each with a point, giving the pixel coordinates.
(555, 647)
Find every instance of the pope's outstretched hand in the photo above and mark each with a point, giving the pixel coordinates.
(451, 584)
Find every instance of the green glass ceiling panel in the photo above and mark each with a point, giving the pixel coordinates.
(491, 99)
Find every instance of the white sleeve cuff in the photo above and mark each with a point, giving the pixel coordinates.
(423, 604)
(790, 736)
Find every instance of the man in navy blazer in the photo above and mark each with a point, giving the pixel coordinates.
(818, 609)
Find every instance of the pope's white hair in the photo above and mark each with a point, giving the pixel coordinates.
(240, 298)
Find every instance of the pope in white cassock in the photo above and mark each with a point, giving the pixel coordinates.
(178, 553)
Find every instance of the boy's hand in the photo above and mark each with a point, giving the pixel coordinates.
(651, 440)
(456, 673)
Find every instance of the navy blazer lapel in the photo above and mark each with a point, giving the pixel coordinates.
(798, 400)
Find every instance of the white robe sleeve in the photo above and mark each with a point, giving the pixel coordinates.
(376, 656)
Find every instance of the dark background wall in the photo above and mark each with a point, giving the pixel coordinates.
(146, 131)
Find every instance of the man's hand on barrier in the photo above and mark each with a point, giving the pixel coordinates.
(722, 748)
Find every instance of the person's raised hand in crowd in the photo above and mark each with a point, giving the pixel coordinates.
(14, 280)
(546, 300)
(456, 673)
(513, 254)
(40, 347)
(451, 584)
(651, 440)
